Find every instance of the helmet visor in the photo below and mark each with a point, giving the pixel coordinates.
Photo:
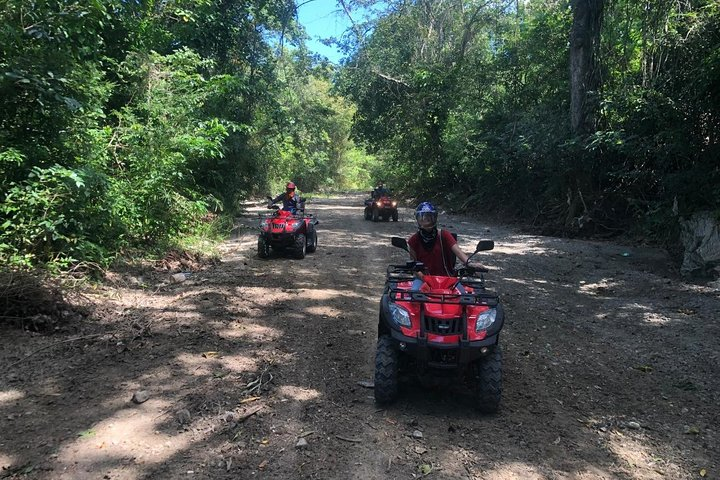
(426, 220)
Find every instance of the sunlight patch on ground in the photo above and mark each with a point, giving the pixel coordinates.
(523, 246)
(519, 281)
(269, 296)
(634, 308)
(251, 331)
(631, 454)
(6, 461)
(514, 470)
(197, 365)
(600, 288)
(324, 294)
(9, 396)
(129, 436)
(239, 363)
(656, 318)
(298, 393)
(324, 310)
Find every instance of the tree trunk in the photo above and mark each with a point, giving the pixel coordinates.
(584, 74)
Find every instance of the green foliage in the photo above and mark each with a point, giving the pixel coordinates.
(50, 216)
(128, 126)
(470, 103)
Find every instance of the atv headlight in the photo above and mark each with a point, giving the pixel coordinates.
(485, 319)
(400, 315)
(394, 204)
(265, 224)
(294, 224)
(379, 204)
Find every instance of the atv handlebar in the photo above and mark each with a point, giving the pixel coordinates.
(412, 266)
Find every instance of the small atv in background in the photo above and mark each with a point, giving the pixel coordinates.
(287, 231)
(382, 207)
(448, 331)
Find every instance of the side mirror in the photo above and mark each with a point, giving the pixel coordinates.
(484, 245)
(269, 198)
(400, 243)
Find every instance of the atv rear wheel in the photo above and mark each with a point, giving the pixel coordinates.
(263, 248)
(488, 381)
(300, 246)
(375, 215)
(312, 243)
(386, 370)
(395, 216)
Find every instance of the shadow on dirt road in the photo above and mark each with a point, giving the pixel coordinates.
(252, 368)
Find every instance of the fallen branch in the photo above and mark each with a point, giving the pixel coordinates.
(258, 382)
(249, 414)
(84, 337)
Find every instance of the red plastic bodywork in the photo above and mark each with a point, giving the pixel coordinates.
(384, 202)
(448, 309)
(284, 221)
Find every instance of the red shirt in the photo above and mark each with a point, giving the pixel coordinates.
(432, 258)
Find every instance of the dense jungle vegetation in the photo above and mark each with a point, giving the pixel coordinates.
(131, 126)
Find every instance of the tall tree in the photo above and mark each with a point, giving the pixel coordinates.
(584, 71)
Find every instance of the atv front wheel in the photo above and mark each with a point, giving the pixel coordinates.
(367, 214)
(488, 381)
(312, 243)
(375, 215)
(395, 216)
(263, 248)
(300, 246)
(386, 370)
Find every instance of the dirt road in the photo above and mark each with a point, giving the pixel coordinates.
(252, 367)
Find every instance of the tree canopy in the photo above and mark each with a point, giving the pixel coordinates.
(582, 115)
(125, 123)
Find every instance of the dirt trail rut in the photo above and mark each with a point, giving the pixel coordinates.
(252, 367)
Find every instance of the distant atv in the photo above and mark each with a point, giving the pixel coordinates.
(287, 231)
(381, 207)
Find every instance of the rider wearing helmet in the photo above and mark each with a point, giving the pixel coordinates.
(436, 249)
(291, 201)
(380, 190)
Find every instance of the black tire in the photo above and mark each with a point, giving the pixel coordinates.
(386, 371)
(395, 216)
(375, 215)
(312, 243)
(488, 381)
(263, 248)
(300, 246)
(368, 215)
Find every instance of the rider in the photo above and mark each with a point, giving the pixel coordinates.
(380, 190)
(291, 201)
(435, 248)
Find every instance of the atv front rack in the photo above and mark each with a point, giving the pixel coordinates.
(295, 216)
(404, 273)
(481, 298)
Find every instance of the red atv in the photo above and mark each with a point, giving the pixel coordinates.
(285, 230)
(445, 331)
(381, 207)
